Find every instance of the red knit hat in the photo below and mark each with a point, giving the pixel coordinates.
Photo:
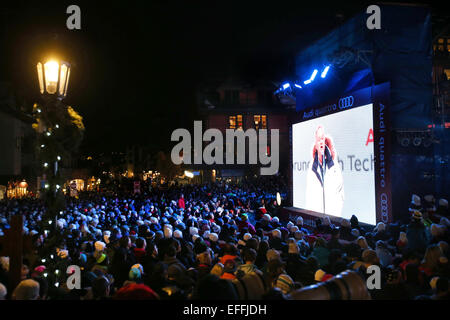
(136, 291)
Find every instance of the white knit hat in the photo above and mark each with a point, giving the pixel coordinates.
(289, 225)
(247, 236)
(195, 237)
(266, 217)
(275, 219)
(443, 202)
(299, 221)
(193, 230)
(153, 220)
(178, 234)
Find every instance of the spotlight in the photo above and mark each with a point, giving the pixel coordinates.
(324, 72)
(314, 74)
(286, 85)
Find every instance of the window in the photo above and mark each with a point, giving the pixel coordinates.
(239, 121)
(263, 122)
(260, 121)
(232, 122)
(235, 122)
(447, 73)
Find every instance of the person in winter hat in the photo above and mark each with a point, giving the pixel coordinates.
(285, 283)
(415, 204)
(249, 258)
(26, 290)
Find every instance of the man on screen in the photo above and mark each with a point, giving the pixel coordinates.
(324, 184)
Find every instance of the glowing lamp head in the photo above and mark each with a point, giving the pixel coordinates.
(53, 77)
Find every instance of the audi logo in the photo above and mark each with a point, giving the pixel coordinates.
(346, 102)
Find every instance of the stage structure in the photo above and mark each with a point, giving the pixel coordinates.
(340, 152)
(353, 58)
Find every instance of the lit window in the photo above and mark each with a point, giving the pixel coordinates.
(232, 122)
(447, 72)
(441, 40)
(260, 121)
(239, 122)
(257, 120)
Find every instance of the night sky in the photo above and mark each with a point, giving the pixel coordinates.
(136, 65)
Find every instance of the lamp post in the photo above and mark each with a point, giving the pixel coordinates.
(53, 76)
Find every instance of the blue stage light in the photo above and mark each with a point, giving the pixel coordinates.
(314, 74)
(324, 72)
(307, 81)
(298, 86)
(286, 85)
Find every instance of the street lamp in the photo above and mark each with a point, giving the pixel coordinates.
(54, 78)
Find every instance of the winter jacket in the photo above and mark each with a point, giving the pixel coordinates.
(324, 185)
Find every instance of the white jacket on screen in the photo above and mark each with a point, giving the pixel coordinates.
(326, 197)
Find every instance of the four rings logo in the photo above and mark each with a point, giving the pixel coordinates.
(346, 102)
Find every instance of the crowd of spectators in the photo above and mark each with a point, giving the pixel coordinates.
(219, 241)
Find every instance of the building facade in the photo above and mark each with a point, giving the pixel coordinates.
(239, 105)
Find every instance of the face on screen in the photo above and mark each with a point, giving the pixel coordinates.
(320, 140)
